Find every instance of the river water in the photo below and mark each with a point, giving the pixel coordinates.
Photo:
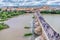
(53, 20)
(16, 30)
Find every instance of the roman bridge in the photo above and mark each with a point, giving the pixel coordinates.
(42, 29)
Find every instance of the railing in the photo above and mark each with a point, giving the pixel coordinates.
(50, 33)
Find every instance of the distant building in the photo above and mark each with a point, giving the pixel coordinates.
(47, 8)
(30, 9)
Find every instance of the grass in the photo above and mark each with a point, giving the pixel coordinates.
(28, 34)
(3, 26)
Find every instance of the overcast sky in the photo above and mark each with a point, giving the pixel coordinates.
(28, 2)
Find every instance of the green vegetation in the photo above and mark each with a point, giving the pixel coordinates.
(33, 17)
(27, 27)
(28, 34)
(4, 15)
(3, 26)
(0, 9)
(50, 12)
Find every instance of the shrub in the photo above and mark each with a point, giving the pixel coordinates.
(28, 34)
(27, 27)
(3, 26)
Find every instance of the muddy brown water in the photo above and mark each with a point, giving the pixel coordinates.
(53, 20)
(17, 24)
(16, 30)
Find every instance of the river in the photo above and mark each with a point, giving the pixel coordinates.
(53, 20)
(16, 30)
(17, 24)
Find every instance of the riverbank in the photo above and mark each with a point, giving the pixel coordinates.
(50, 12)
(6, 15)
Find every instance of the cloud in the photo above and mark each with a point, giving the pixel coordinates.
(53, 2)
(28, 2)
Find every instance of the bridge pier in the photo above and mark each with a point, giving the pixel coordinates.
(38, 32)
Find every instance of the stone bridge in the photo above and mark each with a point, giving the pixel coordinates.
(42, 30)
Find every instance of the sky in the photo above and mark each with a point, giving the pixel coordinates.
(28, 2)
